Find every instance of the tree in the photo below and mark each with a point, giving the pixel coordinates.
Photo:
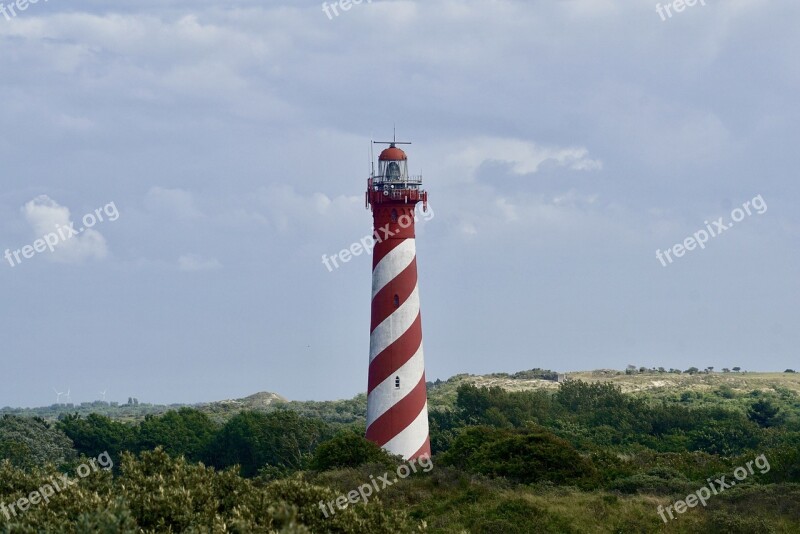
(254, 440)
(444, 426)
(725, 437)
(186, 432)
(789, 371)
(28, 443)
(692, 370)
(737, 369)
(472, 402)
(603, 404)
(763, 413)
(97, 434)
(498, 407)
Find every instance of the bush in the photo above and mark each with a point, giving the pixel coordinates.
(27, 443)
(513, 516)
(725, 391)
(521, 456)
(186, 432)
(725, 438)
(348, 449)
(253, 440)
(97, 434)
(764, 414)
(720, 521)
(653, 484)
(158, 493)
(542, 374)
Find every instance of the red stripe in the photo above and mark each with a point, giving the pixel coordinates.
(383, 248)
(425, 450)
(398, 417)
(402, 285)
(393, 357)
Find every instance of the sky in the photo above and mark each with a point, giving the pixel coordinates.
(213, 152)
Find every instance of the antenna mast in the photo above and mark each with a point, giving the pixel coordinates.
(371, 158)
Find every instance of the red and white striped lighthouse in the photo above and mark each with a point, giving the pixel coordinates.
(397, 401)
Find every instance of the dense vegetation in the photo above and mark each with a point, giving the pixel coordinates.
(577, 457)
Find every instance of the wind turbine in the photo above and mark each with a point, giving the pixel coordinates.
(103, 393)
(59, 393)
(68, 397)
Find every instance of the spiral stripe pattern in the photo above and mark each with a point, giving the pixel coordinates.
(397, 407)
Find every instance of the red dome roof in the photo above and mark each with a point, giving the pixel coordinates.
(392, 154)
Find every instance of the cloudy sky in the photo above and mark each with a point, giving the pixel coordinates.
(562, 143)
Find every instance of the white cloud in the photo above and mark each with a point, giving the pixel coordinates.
(46, 216)
(523, 157)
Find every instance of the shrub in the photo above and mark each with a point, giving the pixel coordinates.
(96, 434)
(522, 456)
(27, 443)
(187, 432)
(253, 440)
(348, 449)
(159, 493)
(764, 414)
(653, 484)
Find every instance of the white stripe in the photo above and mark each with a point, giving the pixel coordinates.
(412, 438)
(394, 263)
(395, 325)
(386, 394)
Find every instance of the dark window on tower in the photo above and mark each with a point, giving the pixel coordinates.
(396, 301)
(394, 215)
(397, 381)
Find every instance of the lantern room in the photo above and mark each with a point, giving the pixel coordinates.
(392, 165)
(392, 183)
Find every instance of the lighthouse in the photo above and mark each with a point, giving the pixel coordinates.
(397, 400)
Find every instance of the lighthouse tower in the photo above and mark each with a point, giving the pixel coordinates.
(397, 401)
